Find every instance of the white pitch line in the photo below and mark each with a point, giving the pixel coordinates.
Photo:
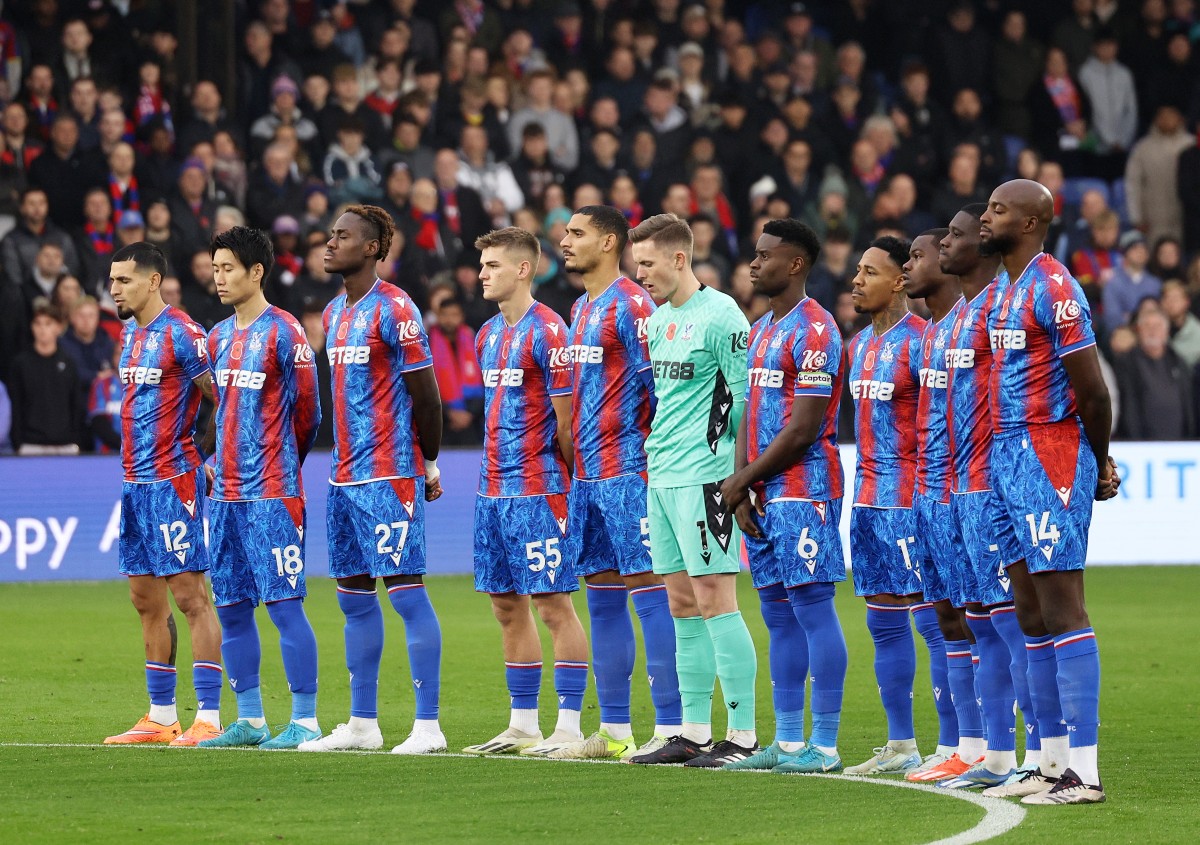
(999, 816)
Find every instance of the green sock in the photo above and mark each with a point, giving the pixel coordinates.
(737, 666)
(696, 667)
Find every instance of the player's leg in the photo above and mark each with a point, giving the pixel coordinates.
(161, 724)
(277, 537)
(814, 563)
(497, 570)
(695, 662)
(931, 619)
(881, 542)
(192, 597)
(1004, 619)
(570, 668)
(522, 669)
(788, 647)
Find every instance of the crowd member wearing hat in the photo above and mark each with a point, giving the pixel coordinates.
(1130, 281)
(192, 212)
(285, 111)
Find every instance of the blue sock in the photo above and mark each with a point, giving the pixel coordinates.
(424, 635)
(995, 684)
(524, 682)
(788, 661)
(364, 649)
(206, 680)
(612, 649)
(962, 689)
(658, 633)
(570, 680)
(298, 645)
(1078, 659)
(813, 606)
(926, 618)
(1004, 619)
(895, 665)
(160, 683)
(243, 655)
(1043, 687)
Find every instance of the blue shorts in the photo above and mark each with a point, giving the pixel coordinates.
(990, 544)
(162, 527)
(377, 528)
(1046, 477)
(940, 551)
(883, 555)
(521, 545)
(801, 544)
(608, 523)
(257, 550)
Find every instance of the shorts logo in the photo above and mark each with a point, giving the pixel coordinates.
(820, 506)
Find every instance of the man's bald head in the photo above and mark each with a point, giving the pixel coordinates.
(1019, 211)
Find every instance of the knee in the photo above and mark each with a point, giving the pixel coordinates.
(193, 603)
(558, 616)
(150, 607)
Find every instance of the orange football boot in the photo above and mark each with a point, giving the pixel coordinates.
(200, 730)
(145, 731)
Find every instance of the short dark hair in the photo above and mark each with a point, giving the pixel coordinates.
(608, 220)
(896, 248)
(533, 130)
(449, 301)
(794, 233)
(250, 246)
(936, 233)
(975, 209)
(144, 255)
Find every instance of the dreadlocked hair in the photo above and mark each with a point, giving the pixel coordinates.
(381, 222)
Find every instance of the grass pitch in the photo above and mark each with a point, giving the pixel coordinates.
(70, 674)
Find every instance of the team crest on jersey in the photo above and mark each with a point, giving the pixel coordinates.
(594, 319)
(152, 343)
(939, 342)
(688, 328)
(256, 342)
(360, 322)
(888, 355)
(777, 342)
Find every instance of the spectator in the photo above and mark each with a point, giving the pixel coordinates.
(832, 210)
(88, 348)
(123, 188)
(159, 230)
(1152, 174)
(561, 134)
(84, 100)
(66, 292)
(258, 70)
(104, 404)
(1074, 35)
(833, 271)
(533, 167)
(663, 115)
(704, 233)
(1079, 234)
(964, 49)
(229, 167)
(1016, 62)
(152, 102)
(389, 82)
(969, 126)
(708, 197)
(1093, 265)
(1129, 283)
(96, 241)
(285, 111)
(349, 170)
(1061, 114)
(323, 54)
(459, 381)
(1185, 326)
(1156, 386)
(1188, 192)
(207, 117)
(192, 212)
(20, 150)
(962, 188)
(1108, 85)
(346, 102)
(1167, 260)
(77, 59)
(274, 190)
(493, 180)
(481, 22)
(39, 100)
(45, 390)
(64, 173)
(171, 290)
(20, 247)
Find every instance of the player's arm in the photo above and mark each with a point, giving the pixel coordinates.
(731, 340)
(427, 419)
(208, 439)
(632, 330)
(306, 413)
(1095, 411)
(562, 413)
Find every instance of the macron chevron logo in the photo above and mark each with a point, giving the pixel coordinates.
(819, 328)
(1058, 278)
(637, 298)
(1064, 493)
(190, 507)
(553, 329)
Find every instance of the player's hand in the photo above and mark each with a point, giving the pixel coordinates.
(433, 489)
(459, 419)
(210, 475)
(733, 492)
(1109, 482)
(745, 516)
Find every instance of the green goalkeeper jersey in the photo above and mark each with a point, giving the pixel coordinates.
(698, 355)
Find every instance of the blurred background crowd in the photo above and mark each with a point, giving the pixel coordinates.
(126, 120)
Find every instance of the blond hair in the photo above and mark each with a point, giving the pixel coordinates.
(512, 238)
(667, 231)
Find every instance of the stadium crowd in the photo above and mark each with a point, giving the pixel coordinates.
(861, 118)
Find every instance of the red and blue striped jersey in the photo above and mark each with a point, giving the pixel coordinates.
(798, 355)
(158, 411)
(969, 367)
(371, 344)
(885, 382)
(267, 409)
(1038, 319)
(933, 431)
(523, 366)
(610, 407)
